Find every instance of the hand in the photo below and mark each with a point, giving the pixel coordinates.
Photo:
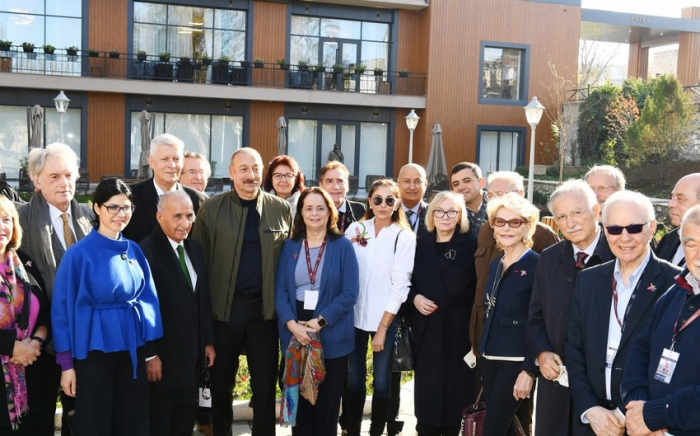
(605, 422)
(549, 364)
(425, 306)
(154, 369)
(300, 331)
(635, 419)
(68, 382)
(523, 386)
(210, 352)
(314, 325)
(379, 340)
(24, 353)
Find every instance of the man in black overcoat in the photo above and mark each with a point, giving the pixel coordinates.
(176, 360)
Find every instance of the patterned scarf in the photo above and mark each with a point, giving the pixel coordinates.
(304, 371)
(11, 306)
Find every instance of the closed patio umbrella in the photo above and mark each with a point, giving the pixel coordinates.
(36, 121)
(437, 166)
(281, 137)
(144, 169)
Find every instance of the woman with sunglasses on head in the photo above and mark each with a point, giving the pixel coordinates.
(442, 294)
(285, 180)
(104, 311)
(384, 245)
(507, 370)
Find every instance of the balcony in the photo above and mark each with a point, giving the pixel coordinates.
(114, 72)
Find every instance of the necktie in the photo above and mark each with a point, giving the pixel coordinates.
(183, 264)
(68, 235)
(580, 257)
(409, 215)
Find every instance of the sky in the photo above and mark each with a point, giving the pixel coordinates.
(662, 8)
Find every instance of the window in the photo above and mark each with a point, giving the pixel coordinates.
(500, 148)
(504, 75)
(215, 136)
(189, 31)
(14, 137)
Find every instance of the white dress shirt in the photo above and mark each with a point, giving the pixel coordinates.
(188, 262)
(591, 248)
(57, 222)
(385, 273)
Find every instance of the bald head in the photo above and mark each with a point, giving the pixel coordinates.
(685, 195)
(412, 184)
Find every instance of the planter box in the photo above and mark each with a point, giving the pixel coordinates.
(239, 76)
(219, 73)
(164, 71)
(142, 70)
(141, 57)
(185, 72)
(301, 79)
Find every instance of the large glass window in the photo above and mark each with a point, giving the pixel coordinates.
(214, 136)
(499, 150)
(504, 73)
(14, 136)
(189, 31)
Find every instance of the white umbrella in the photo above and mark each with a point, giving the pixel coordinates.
(36, 114)
(281, 137)
(144, 169)
(437, 166)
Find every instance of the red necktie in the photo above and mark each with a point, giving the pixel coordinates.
(580, 257)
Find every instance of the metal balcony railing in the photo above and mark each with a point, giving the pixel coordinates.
(204, 71)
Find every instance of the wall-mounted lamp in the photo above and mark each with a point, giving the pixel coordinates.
(148, 101)
(375, 113)
(304, 109)
(228, 105)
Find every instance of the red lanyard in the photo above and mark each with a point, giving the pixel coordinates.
(342, 222)
(312, 273)
(614, 292)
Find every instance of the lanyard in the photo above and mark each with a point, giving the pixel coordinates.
(312, 273)
(342, 221)
(615, 298)
(677, 330)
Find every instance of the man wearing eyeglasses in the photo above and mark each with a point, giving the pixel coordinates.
(466, 179)
(685, 195)
(196, 171)
(612, 305)
(501, 183)
(605, 180)
(575, 210)
(165, 159)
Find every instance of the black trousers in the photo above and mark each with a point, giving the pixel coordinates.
(246, 328)
(43, 383)
(109, 401)
(499, 378)
(168, 419)
(424, 429)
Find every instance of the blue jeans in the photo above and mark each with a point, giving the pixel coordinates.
(357, 366)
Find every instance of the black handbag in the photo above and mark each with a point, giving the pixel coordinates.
(404, 348)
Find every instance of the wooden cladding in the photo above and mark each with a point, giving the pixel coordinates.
(105, 134)
(263, 128)
(688, 69)
(270, 28)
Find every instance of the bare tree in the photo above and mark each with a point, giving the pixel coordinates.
(594, 61)
(560, 118)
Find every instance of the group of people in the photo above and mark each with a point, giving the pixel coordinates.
(126, 303)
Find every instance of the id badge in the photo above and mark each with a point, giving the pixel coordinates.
(610, 354)
(204, 397)
(310, 299)
(667, 364)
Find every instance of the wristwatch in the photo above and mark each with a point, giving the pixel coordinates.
(321, 321)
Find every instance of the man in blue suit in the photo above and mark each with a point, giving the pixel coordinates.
(612, 305)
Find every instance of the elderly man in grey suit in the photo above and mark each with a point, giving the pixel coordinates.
(52, 222)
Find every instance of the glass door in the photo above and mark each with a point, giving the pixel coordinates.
(335, 52)
(345, 136)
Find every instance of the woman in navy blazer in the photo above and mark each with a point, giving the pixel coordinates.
(318, 263)
(507, 370)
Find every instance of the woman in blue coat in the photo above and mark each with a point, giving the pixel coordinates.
(316, 288)
(104, 310)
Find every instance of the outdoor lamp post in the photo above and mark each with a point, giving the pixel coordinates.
(411, 123)
(61, 102)
(533, 113)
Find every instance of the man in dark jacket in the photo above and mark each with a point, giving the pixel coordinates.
(575, 210)
(176, 360)
(612, 305)
(165, 159)
(685, 195)
(333, 177)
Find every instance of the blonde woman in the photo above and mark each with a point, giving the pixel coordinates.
(507, 370)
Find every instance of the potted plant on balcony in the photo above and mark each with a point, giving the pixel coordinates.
(259, 62)
(360, 69)
(320, 67)
(164, 69)
(338, 68)
(219, 71)
(403, 73)
(48, 49)
(378, 71)
(284, 65)
(28, 47)
(91, 52)
(303, 65)
(113, 54)
(206, 60)
(164, 57)
(185, 70)
(141, 55)
(5, 45)
(72, 51)
(246, 63)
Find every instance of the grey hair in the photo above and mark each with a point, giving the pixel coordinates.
(173, 195)
(573, 186)
(37, 159)
(250, 151)
(633, 197)
(618, 176)
(205, 163)
(166, 139)
(515, 180)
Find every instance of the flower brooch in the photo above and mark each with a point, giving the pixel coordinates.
(360, 237)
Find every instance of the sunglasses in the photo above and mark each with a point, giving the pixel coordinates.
(632, 229)
(513, 224)
(390, 201)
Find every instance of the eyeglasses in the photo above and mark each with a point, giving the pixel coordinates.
(632, 229)
(574, 214)
(451, 214)
(193, 173)
(513, 224)
(390, 201)
(280, 176)
(113, 209)
(492, 195)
